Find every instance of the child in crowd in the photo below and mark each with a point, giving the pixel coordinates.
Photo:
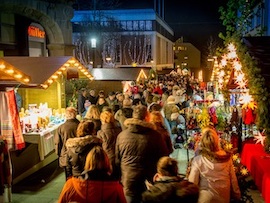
(169, 186)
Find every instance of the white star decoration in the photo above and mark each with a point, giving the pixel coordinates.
(259, 138)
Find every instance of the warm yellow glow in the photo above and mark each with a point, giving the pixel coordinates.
(50, 81)
(2, 66)
(76, 64)
(67, 64)
(63, 68)
(26, 79)
(54, 76)
(71, 61)
(59, 72)
(18, 76)
(200, 76)
(222, 73)
(10, 71)
(141, 75)
(134, 64)
(44, 86)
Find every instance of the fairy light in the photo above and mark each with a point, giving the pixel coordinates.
(2, 66)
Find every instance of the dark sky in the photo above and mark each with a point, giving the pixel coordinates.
(196, 20)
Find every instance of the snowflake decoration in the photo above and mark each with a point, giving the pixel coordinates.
(229, 146)
(235, 157)
(260, 138)
(244, 171)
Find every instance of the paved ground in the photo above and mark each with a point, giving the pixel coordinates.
(45, 185)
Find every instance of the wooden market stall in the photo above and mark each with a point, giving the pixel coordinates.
(249, 84)
(40, 84)
(116, 78)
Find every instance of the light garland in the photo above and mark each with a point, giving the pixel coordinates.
(70, 63)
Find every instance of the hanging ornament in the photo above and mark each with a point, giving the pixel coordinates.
(260, 138)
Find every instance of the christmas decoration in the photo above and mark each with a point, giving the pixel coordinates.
(260, 138)
(203, 119)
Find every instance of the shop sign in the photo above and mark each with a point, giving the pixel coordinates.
(35, 32)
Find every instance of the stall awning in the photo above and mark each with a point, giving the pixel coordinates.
(119, 74)
(37, 72)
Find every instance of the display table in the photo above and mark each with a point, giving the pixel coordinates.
(44, 139)
(39, 152)
(258, 163)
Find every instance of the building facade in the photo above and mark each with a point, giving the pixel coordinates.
(51, 33)
(187, 56)
(259, 20)
(122, 38)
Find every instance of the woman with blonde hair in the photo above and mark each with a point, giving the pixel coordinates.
(156, 118)
(93, 114)
(95, 184)
(108, 134)
(213, 171)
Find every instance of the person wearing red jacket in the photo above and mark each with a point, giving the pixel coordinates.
(95, 184)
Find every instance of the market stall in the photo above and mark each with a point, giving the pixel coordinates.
(38, 84)
(243, 74)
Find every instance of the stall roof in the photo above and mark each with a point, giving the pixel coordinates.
(119, 74)
(36, 71)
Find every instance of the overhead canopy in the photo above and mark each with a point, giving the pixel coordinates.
(120, 74)
(36, 71)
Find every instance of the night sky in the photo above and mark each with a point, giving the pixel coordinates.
(196, 20)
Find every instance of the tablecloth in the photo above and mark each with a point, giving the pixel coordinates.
(257, 161)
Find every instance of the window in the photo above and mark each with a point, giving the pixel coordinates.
(258, 17)
(7, 28)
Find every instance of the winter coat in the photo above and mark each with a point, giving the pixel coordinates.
(171, 190)
(214, 174)
(166, 136)
(138, 148)
(92, 191)
(108, 135)
(64, 132)
(77, 150)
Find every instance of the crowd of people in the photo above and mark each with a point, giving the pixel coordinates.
(120, 149)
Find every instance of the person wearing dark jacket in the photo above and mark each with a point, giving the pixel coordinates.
(81, 101)
(108, 134)
(138, 148)
(78, 147)
(64, 132)
(168, 186)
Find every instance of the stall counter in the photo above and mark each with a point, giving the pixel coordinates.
(39, 152)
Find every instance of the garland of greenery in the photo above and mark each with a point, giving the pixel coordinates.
(236, 25)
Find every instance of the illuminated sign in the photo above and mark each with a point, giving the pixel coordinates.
(35, 32)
